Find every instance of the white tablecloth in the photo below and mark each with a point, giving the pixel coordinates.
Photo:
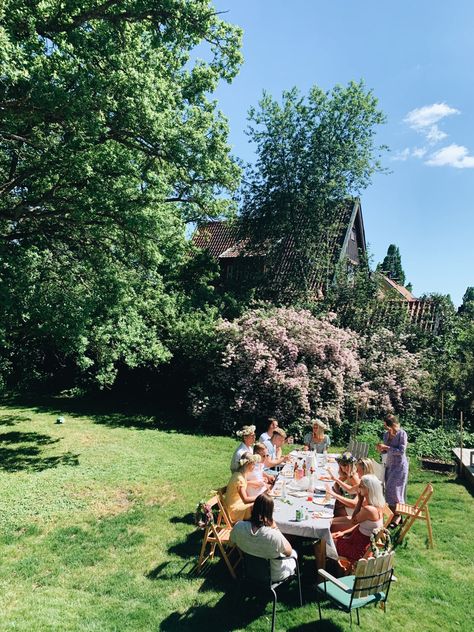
(314, 527)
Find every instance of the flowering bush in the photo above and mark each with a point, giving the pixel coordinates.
(288, 364)
(280, 362)
(392, 379)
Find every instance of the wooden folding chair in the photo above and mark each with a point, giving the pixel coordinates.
(217, 534)
(387, 516)
(418, 511)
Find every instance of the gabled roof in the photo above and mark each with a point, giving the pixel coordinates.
(221, 240)
(216, 237)
(396, 287)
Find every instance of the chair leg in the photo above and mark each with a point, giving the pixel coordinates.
(226, 560)
(428, 524)
(319, 607)
(405, 528)
(298, 577)
(274, 609)
(358, 620)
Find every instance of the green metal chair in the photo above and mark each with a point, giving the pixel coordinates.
(257, 572)
(370, 584)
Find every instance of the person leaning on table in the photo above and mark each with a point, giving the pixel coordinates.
(273, 446)
(260, 537)
(248, 439)
(317, 440)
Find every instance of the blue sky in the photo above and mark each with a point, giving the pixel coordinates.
(418, 58)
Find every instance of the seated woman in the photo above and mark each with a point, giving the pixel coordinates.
(237, 501)
(248, 439)
(349, 501)
(367, 516)
(261, 537)
(346, 483)
(258, 481)
(317, 440)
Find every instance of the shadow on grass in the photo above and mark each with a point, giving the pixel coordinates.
(234, 610)
(11, 420)
(140, 415)
(29, 457)
(322, 626)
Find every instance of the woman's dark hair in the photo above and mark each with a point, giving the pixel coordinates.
(262, 511)
(391, 420)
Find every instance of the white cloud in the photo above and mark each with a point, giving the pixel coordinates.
(402, 155)
(452, 156)
(424, 120)
(434, 134)
(418, 152)
(428, 115)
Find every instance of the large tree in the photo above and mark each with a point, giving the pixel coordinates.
(108, 146)
(313, 153)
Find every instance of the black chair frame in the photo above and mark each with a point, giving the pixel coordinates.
(257, 570)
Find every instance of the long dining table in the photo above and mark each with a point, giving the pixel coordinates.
(305, 514)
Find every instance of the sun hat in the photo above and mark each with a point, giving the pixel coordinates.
(346, 458)
(246, 431)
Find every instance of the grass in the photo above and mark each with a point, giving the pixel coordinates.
(97, 535)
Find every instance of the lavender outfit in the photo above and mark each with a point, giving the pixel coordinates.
(396, 467)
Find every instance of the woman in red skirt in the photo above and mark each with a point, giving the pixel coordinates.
(367, 516)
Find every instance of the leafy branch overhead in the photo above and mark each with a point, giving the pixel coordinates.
(109, 144)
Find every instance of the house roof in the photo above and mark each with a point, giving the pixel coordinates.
(396, 287)
(221, 240)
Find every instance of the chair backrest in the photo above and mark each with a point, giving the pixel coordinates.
(387, 516)
(379, 470)
(223, 513)
(424, 497)
(257, 569)
(373, 576)
(358, 449)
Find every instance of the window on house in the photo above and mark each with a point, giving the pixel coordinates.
(353, 234)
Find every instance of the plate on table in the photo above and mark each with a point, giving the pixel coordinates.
(321, 501)
(298, 494)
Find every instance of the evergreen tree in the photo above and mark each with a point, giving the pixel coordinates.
(391, 266)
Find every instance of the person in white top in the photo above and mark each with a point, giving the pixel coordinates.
(266, 436)
(258, 481)
(274, 448)
(261, 537)
(248, 439)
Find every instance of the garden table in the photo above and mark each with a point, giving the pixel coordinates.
(317, 524)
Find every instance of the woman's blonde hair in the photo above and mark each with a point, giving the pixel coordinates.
(366, 466)
(375, 495)
(248, 457)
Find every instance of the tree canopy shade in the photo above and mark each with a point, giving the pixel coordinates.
(108, 145)
(313, 153)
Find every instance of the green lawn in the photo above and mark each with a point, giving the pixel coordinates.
(97, 535)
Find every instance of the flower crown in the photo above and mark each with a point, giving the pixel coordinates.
(255, 458)
(246, 430)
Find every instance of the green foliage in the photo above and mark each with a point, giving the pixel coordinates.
(108, 146)
(391, 266)
(313, 153)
